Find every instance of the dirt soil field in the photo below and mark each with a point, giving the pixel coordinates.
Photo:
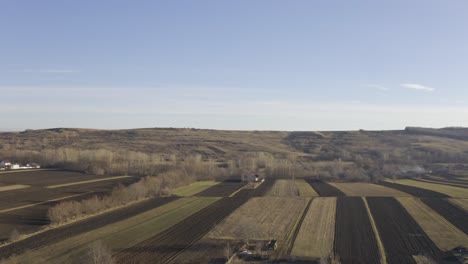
(223, 189)
(443, 233)
(324, 189)
(455, 215)
(414, 191)
(58, 234)
(261, 218)
(444, 182)
(401, 235)
(354, 238)
(367, 189)
(316, 234)
(168, 244)
(451, 191)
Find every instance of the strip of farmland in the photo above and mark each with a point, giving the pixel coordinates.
(194, 188)
(400, 233)
(455, 215)
(442, 182)
(168, 244)
(367, 189)
(451, 191)
(324, 189)
(354, 238)
(291, 188)
(315, 237)
(460, 203)
(58, 234)
(414, 191)
(222, 189)
(445, 235)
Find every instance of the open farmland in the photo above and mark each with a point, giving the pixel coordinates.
(168, 244)
(455, 215)
(58, 234)
(325, 189)
(367, 189)
(461, 203)
(291, 188)
(223, 189)
(414, 191)
(124, 233)
(316, 234)
(194, 188)
(443, 233)
(26, 209)
(444, 182)
(401, 235)
(355, 240)
(261, 218)
(451, 191)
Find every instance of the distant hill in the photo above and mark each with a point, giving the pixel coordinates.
(337, 154)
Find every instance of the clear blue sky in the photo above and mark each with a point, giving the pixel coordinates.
(252, 64)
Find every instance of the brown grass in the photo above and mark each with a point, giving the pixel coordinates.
(292, 188)
(367, 189)
(315, 238)
(455, 192)
(443, 233)
(261, 218)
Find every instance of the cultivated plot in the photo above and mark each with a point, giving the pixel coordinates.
(442, 232)
(367, 189)
(291, 188)
(261, 218)
(324, 189)
(451, 191)
(194, 188)
(414, 191)
(355, 241)
(452, 213)
(461, 203)
(401, 235)
(316, 234)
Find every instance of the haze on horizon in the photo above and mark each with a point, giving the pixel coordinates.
(262, 65)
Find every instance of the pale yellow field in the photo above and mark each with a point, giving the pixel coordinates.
(13, 187)
(367, 189)
(84, 182)
(452, 191)
(443, 233)
(292, 188)
(462, 203)
(261, 218)
(315, 238)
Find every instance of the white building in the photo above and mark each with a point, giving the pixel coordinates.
(4, 163)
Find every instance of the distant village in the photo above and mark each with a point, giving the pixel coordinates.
(7, 165)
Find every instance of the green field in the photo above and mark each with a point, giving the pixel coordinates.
(194, 188)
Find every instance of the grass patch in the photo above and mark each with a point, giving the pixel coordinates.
(305, 190)
(451, 191)
(194, 188)
(367, 189)
(84, 182)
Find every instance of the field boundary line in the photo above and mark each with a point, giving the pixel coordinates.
(84, 182)
(299, 225)
(27, 170)
(13, 187)
(48, 201)
(383, 257)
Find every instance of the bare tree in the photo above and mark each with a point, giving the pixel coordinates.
(100, 253)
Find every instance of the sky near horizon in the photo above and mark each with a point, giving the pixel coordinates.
(246, 64)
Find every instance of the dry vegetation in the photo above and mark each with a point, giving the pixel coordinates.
(455, 192)
(291, 188)
(13, 187)
(367, 189)
(315, 237)
(462, 203)
(305, 189)
(261, 218)
(442, 233)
